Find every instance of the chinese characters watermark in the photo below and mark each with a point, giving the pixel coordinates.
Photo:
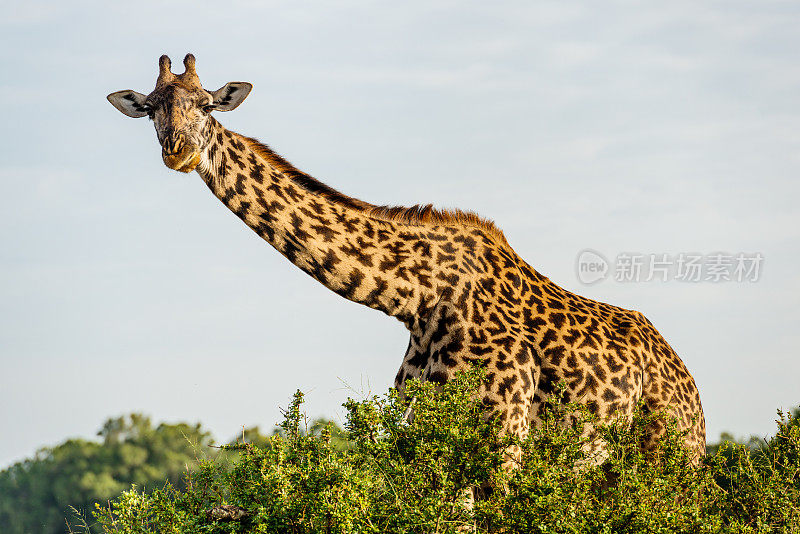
(715, 267)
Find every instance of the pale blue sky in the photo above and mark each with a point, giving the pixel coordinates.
(617, 126)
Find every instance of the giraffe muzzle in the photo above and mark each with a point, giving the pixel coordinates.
(183, 157)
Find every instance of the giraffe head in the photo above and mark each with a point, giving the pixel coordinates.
(180, 109)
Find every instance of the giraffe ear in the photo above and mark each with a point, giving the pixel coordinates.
(230, 95)
(129, 102)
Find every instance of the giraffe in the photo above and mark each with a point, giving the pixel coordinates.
(450, 277)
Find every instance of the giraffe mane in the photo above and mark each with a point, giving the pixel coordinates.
(417, 215)
(421, 214)
(306, 181)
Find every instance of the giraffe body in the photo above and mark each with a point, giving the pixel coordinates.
(451, 278)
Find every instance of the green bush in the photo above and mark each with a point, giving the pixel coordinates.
(391, 474)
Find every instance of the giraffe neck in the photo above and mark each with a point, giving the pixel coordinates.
(367, 259)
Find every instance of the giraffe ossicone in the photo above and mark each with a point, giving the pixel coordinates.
(450, 277)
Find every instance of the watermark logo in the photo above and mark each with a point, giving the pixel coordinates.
(592, 266)
(715, 267)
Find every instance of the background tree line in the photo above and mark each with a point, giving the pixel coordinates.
(39, 494)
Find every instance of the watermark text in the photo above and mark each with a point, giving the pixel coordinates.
(716, 267)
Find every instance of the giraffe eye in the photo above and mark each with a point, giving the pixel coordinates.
(208, 107)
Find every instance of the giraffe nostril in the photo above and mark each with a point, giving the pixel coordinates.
(173, 145)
